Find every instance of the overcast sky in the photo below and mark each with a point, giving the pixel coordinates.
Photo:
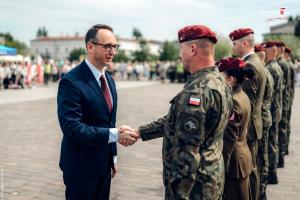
(157, 19)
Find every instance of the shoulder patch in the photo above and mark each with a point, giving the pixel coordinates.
(195, 101)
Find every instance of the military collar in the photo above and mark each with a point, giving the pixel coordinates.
(236, 89)
(246, 56)
(200, 72)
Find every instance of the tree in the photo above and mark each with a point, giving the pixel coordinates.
(222, 48)
(297, 29)
(143, 54)
(121, 56)
(11, 42)
(136, 33)
(42, 32)
(76, 53)
(170, 51)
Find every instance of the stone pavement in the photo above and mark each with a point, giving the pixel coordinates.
(30, 146)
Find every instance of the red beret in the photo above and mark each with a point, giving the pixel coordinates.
(268, 44)
(240, 33)
(279, 44)
(288, 50)
(196, 32)
(259, 47)
(230, 63)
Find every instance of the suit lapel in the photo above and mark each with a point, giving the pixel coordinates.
(95, 85)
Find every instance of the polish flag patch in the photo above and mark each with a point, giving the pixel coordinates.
(194, 101)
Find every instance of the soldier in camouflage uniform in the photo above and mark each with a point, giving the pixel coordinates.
(243, 46)
(286, 96)
(287, 55)
(263, 158)
(192, 131)
(276, 107)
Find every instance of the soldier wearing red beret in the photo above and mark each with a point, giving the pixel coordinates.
(276, 107)
(193, 166)
(286, 103)
(236, 153)
(263, 156)
(287, 55)
(243, 47)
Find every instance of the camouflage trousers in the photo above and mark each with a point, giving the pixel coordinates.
(206, 186)
(288, 131)
(273, 146)
(254, 176)
(263, 161)
(282, 133)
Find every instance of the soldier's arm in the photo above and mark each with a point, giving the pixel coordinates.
(251, 86)
(153, 130)
(189, 136)
(231, 133)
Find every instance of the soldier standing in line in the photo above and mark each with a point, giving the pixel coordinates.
(286, 98)
(263, 158)
(243, 47)
(193, 166)
(236, 153)
(276, 109)
(287, 55)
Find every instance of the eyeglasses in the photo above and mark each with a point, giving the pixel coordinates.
(108, 47)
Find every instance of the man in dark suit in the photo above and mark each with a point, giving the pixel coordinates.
(87, 105)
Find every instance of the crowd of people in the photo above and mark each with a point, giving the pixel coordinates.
(20, 75)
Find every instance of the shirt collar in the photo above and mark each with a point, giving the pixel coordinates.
(248, 54)
(96, 72)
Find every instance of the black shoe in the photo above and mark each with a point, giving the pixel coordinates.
(280, 162)
(272, 179)
(286, 152)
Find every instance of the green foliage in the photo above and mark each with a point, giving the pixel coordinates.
(222, 48)
(169, 52)
(143, 54)
(121, 56)
(76, 53)
(11, 42)
(297, 29)
(137, 34)
(42, 31)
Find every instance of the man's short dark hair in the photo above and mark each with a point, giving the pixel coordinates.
(92, 32)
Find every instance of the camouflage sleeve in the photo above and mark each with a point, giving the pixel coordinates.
(153, 130)
(189, 135)
(231, 133)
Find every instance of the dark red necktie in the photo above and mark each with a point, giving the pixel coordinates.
(105, 91)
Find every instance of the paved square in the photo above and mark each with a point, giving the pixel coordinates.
(30, 146)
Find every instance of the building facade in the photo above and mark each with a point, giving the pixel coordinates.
(59, 48)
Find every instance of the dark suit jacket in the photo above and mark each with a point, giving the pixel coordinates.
(236, 153)
(85, 121)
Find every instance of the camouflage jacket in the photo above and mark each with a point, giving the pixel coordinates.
(286, 94)
(268, 96)
(193, 137)
(277, 74)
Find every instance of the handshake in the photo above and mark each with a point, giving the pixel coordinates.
(127, 135)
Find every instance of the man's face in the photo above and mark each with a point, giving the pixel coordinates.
(184, 54)
(103, 51)
(237, 47)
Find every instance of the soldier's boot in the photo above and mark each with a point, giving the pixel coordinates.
(263, 196)
(281, 162)
(272, 179)
(287, 151)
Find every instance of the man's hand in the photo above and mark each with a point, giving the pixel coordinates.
(114, 170)
(127, 135)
